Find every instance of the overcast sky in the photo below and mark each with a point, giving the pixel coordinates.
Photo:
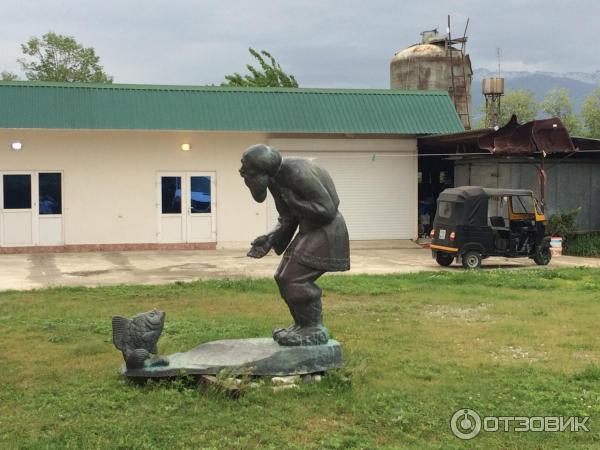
(324, 43)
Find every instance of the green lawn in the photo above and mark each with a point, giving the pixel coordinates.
(417, 348)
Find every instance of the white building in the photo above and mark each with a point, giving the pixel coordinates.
(111, 167)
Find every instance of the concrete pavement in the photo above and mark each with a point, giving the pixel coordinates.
(30, 271)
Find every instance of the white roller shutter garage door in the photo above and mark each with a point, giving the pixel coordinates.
(377, 195)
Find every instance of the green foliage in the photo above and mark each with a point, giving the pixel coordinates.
(481, 121)
(563, 223)
(520, 102)
(55, 57)
(583, 245)
(590, 111)
(270, 73)
(8, 76)
(557, 103)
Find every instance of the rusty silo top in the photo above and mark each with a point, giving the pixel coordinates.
(436, 63)
(419, 51)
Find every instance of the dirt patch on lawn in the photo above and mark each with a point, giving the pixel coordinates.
(478, 313)
(516, 353)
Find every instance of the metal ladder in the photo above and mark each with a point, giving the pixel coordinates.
(459, 81)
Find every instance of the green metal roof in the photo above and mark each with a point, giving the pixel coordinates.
(142, 107)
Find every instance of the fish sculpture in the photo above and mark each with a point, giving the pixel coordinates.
(137, 338)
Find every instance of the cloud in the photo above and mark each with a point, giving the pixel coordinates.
(323, 43)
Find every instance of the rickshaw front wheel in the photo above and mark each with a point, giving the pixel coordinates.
(444, 259)
(471, 260)
(543, 256)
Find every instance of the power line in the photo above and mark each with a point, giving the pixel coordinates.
(374, 156)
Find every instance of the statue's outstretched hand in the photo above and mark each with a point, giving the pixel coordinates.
(261, 246)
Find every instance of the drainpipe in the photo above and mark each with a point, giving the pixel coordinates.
(542, 178)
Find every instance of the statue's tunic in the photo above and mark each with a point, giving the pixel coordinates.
(322, 239)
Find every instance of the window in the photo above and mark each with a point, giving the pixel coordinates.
(522, 205)
(171, 195)
(445, 210)
(498, 207)
(17, 191)
(50, 191)
(200, 195)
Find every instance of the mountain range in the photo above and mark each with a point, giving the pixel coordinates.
(579, 84)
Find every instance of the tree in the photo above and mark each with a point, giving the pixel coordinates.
(590, 111)
(520, 102)
(8, 76)
(270, 75)
(61, 58)
(557, 103)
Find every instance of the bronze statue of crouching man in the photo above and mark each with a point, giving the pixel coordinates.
(306, 201)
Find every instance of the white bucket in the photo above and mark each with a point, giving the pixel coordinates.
(556, 246)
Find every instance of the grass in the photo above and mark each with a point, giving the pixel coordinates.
(583, 245)
(417, 348)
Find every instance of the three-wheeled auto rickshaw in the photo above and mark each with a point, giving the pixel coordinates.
(473, 223)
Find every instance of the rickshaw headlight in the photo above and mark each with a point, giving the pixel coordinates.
(452, 236)
(432, 233)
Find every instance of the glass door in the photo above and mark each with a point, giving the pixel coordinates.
(171, 226)
(201, 223)
(17, 218)
(49, 211)
(31, 208)
(186, 203)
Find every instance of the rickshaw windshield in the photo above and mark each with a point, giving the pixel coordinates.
(522, 204)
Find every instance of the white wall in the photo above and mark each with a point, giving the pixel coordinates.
(109, 181)
(109, 177)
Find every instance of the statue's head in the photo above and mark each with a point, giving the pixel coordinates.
(259, 164)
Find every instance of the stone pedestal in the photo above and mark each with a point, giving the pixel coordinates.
(261, 356)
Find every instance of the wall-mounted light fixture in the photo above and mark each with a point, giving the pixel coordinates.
(186, 147)
(16, 146)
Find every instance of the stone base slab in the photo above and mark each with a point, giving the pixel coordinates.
(258, 356)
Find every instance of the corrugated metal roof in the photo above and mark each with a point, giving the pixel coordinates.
(142, 107)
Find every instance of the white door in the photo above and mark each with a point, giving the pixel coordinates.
(186, 207)
(31, 209)
(49, 208)
(377, 194)
(17, 208)
(201, 204)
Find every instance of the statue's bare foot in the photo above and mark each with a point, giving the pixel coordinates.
(302, 336)
(293, 327)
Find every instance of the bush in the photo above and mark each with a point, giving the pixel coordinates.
(583, 245)
(563, 224)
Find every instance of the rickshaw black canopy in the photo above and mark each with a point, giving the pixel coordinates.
(470, 203)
